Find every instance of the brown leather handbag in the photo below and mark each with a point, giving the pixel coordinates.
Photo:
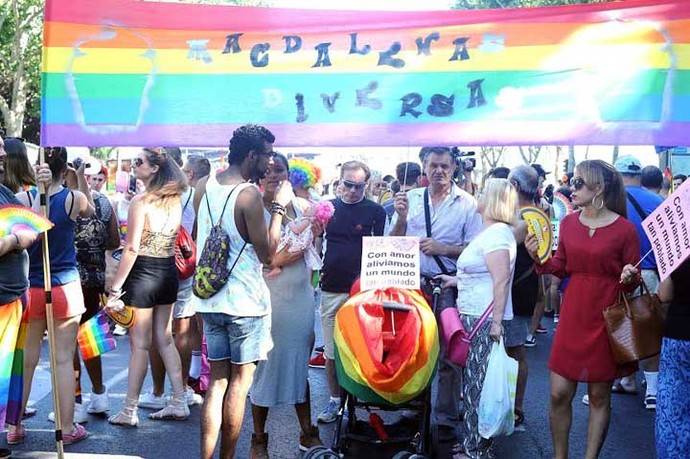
(635, 326)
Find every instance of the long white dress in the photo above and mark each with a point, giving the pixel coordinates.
(282, 378)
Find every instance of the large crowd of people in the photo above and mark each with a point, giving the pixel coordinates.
(247, 314)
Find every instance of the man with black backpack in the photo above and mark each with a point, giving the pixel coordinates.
(641, 203)
(234, 242)
(445, 218)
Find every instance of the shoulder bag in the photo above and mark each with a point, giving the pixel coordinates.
(634, 326)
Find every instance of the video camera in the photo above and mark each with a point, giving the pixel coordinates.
(464, 159)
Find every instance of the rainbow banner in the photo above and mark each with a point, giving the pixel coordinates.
(126, 72)
(383, 355)
(94, 337)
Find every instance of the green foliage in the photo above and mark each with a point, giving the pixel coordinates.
(20, 63)
(480, 4)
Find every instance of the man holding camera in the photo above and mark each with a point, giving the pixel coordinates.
(445, 219)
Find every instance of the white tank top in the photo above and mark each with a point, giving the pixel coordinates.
(245, 294)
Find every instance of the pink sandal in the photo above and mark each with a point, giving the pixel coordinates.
(79, 433)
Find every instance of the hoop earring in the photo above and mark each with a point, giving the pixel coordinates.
(594, 202)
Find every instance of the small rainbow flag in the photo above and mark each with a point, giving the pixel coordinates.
(19, 218)
(12, 336)
(385, 356)
(95, 338)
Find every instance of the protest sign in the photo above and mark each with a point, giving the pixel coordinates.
(390, 262)
(668, 230)
(145, 73)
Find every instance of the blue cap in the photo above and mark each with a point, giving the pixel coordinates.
(628, 165)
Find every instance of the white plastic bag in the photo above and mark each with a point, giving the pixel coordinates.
(497, 400)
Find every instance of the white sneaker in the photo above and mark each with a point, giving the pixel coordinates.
(193, 398)
(119, 330)
(151, 402)
(99, 403)
(330, 413)
(585, 399)
(80, 416)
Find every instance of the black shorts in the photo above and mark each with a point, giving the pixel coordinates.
(151, 281)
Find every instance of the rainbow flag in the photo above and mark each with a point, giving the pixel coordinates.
(385, 356)
(94, 337)
(12, 337)
(126, 72)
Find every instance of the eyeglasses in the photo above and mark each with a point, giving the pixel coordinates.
(353, 185)
(138, 162)
(578, 183)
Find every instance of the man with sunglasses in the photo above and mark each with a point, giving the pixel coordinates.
(445, 218)
(354, 217)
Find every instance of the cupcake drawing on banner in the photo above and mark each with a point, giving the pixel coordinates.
(87, 91)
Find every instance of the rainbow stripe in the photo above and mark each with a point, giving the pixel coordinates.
(376, 365)
(12, 337)
(126, 72)
(19, 218)
(94, 337)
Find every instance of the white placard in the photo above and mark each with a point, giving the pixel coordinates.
(390, 262)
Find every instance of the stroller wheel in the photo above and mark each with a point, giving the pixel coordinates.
(320, 452)
(403, 455)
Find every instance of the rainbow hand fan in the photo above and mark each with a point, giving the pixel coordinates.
(15, 218)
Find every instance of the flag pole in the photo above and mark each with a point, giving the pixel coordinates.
(51, 320)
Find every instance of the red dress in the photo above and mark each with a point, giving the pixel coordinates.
(581, 350)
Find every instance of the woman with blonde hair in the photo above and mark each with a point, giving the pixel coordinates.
(147, 280)
(597, 247)
(484, 276)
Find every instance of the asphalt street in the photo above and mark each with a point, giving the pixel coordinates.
(631, 434)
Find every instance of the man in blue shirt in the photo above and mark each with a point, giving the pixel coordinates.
(641, 203)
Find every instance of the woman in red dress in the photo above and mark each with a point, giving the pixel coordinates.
(597, 248)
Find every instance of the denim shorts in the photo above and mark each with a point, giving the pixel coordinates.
(241, 340)
(516, 330)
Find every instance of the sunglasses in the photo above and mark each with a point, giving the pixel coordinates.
(578, 183)
(138, 162)
(353, 185)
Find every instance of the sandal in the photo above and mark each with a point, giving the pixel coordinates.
(127, 416)
(176, 410)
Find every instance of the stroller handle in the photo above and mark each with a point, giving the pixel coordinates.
(396, 306)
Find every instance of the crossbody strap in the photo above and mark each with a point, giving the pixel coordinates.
(481, 320)
(637, 206)
(188, 199)
(427, 220)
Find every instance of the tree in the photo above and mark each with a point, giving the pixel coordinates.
(20, 60)
(531, 155)
(491, 156)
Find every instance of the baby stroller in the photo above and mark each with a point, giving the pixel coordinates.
(386, 350)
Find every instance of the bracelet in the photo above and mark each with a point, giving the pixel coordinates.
(277, 208)
(115, 291)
